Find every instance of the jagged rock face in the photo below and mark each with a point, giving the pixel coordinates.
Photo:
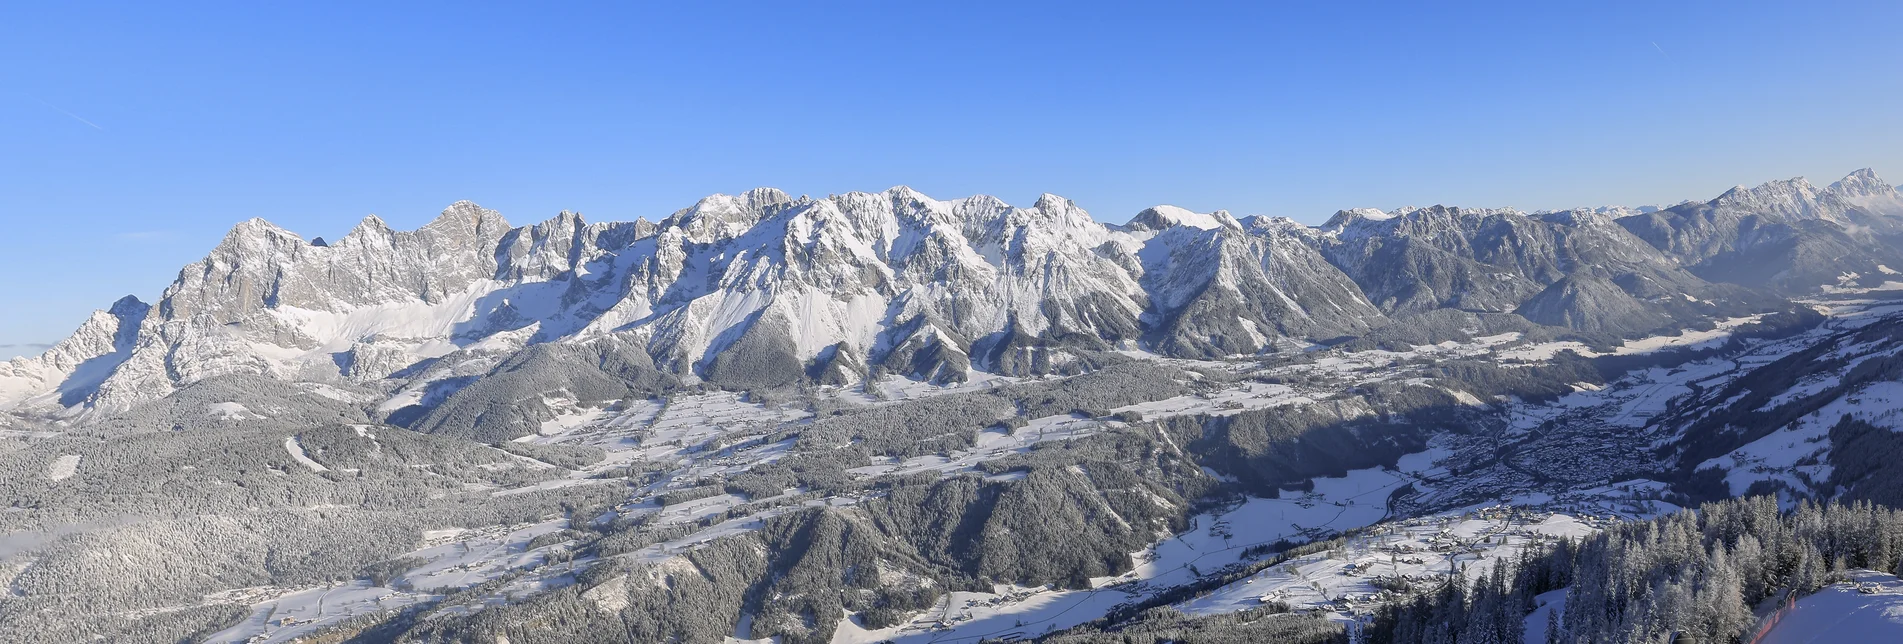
(260, 266)
(375, 359)
(1784, 235)
(264, 293)
(549, 249)
(1423, 260)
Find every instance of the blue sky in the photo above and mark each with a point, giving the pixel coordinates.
(133, 136)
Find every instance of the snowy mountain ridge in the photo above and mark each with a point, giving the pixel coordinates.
(892, 281)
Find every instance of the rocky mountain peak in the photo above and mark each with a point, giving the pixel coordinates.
(1164, 216)
(371, 226)
(1064, 212)
(905, 194)
(464, 220)
(722, 216)
(129, 306)
(78, 362)
(1865, 191)
(1793, 198)
(1048, 201)
(1343, 220)
(1270, 226)
(564, 220)
(1580, 217)
(256, 232)
(1862, 183)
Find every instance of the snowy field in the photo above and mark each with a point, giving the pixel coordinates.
(460, 559)
(1420, 551)
(1690, 339)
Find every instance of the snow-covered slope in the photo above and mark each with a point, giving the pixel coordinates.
(1868, 608)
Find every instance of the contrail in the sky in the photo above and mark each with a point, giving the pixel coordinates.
(75, 116)
(1655, 45)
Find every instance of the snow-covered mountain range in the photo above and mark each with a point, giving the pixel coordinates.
(765, 289)
(883, 417)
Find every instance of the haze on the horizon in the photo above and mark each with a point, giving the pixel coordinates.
(136, 135)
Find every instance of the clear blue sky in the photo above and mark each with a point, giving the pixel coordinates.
(132, 137)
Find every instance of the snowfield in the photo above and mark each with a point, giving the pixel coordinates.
(63, 467)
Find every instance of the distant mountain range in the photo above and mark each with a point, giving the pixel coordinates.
(762, 290)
